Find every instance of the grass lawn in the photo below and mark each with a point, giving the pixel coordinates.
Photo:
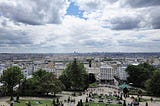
(34, 103)
(144, 100)
(93, 85)
(106, 97)
(102, 104)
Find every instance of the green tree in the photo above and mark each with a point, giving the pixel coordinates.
(65, 79)
(153, 84)
(91, 78)
(90, 62)
(51, 84)
(75, 76)
(139, 74)
(42, 83)
(10, 78)
(31, 87)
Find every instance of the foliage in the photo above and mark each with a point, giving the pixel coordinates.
(42, 83)
(51, 84)
(153, 84)
(92, 78)
(93, 85)
(75, 77)
(10, 78)
(139, 74)
(90, 62)
(124, 102)
(125, 91)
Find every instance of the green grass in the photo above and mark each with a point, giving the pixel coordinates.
(106, 97)
(93, 85)
(102, 104)
(144, 100)
(34, 102)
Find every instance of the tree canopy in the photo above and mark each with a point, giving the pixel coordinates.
(75, 77)
(42, 83)
(153, 84)
(10, 78)
(139, 74)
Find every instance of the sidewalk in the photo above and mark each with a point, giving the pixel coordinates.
(3, 101)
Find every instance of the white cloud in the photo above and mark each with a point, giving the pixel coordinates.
(34, 12)
(37, 29)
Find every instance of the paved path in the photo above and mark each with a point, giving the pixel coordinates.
(76, 98)
(65, 95)
(3, 101)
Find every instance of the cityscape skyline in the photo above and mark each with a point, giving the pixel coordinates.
(83, 26)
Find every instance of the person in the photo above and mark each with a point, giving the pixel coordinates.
(68, 99)
(151, 99)
(29, 103)
(12, 103)
(146, 103)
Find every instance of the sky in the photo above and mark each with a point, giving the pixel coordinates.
(65, 26)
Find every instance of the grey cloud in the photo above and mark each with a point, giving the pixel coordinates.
(35, 12)
(130, 43)
(4, 23)
(156, 22)
(94, 43)
(143, 45)
(125, 23)
(92, 5)
(13, 37)
(155, 18)
(97, 44)
(112, 1)
(140, 3)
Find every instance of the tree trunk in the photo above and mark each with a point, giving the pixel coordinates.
(11, 91)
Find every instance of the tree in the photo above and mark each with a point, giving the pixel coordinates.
(10, 78)
(42, 83)
(139, 74)
(124, 102)
(125, 91)
(91, 78)
(90, 62)
(153, 84)
(31, 87)
(51, 84)
(65, 80)
(75, 76)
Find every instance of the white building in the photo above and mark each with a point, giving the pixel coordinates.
(95, 71)
(59, 68)
(121, 73)
(2, 68)
(107, 74)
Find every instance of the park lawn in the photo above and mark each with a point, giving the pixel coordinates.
(34, 102)
(102, 104)
(93, 85)
(104, 97)
(144, 100)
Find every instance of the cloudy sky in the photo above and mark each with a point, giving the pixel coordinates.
(63, 26)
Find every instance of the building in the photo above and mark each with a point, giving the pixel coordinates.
(121, 73)
(106, 75)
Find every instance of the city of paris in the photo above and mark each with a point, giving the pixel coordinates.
(79, 53)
